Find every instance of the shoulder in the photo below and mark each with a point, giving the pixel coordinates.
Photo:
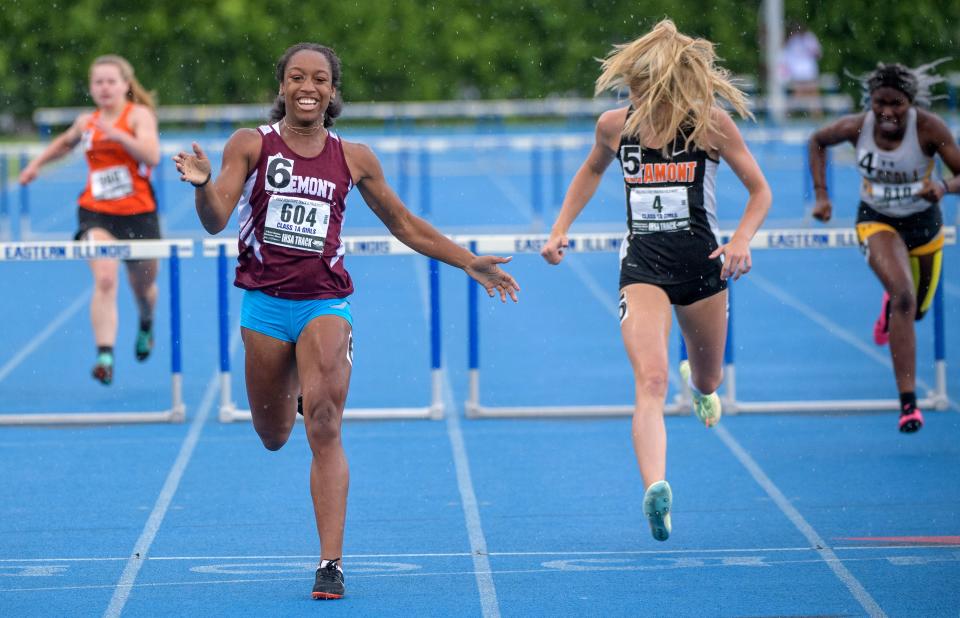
(81, 122)
(142, 112)
(245, 138)
(360, 158)
(846, 127)
(930, 123)
(724, 131)
(610, 126)
(245, 143)
(611, 122)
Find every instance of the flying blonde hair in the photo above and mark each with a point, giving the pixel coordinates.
(673, 83)
(137, 93)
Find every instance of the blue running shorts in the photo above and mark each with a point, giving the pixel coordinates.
(284, 319)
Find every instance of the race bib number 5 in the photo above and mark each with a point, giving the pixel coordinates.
(660, 209)
(111, 183)
(297, 223)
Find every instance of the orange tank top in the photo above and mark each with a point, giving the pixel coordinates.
(117, 184)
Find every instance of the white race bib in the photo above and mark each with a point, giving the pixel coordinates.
(893, 197)
(297, 223)
(660, 209)
(111, 183)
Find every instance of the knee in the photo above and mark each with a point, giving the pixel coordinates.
(653, 384)
(903, 302)
(105, 283)
(274, 440)
(323, 423)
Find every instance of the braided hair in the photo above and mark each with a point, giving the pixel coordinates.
(915, 83)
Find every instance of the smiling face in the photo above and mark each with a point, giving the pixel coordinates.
(890, 106)
(307, 87)
(107, 86)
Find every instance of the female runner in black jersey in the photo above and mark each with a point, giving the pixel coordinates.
(669, 141)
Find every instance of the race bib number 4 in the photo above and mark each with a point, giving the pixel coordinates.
(297, 223)
(111, 183)
(660, 209)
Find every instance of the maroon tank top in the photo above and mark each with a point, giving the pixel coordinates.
(291, 215)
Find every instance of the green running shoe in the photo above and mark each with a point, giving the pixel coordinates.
(656, 506)
(144, 345)
(103, 370)
(706, 407)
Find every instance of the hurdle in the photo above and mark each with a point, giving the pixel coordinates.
(58, 251)
(222, 248)
(828, 238)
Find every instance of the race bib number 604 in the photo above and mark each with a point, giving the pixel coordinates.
(297, 223)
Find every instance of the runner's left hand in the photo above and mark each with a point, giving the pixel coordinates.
(485, 271)
(736, 258)
(932, 191)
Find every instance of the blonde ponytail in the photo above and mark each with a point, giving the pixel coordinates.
(673, 82)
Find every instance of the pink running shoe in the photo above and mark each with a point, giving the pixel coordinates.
(881, 328)
(910, 420)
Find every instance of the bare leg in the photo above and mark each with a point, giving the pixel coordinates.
(103, 305)
(324, 366)
(271, 374)
(889, 259)
(704, 328)
(142, 275)
(645, 330)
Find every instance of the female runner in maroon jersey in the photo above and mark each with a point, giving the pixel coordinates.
(290, 179)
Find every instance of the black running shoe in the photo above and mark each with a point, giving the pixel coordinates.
(329, 582)
(103, 370)
(144, 345)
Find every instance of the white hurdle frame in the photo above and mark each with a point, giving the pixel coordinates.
(222, 248)
(58, 251)
(827, 238)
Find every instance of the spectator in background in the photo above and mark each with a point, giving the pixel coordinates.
(800, 68)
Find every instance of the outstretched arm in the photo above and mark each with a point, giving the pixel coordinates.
(59, 147)
(733, 149)
(585, 182)
(846, 129)
(216, 200)
(418, 234)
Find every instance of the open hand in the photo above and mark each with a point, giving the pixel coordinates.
(736, 258)
(193, 168)
(485, 271)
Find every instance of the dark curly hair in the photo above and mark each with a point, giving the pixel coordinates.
(279, 109)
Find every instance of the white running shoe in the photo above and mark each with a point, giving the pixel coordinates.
(706, 407)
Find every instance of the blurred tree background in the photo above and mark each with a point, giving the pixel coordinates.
(224, 51)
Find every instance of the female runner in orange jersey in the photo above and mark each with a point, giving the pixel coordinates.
(121, 144)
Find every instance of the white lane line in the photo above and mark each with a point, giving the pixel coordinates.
(142, 547)
(45, 334)
(557, 567)
(489, 604)
(826, 553)
(832, 327)
(598, 552)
